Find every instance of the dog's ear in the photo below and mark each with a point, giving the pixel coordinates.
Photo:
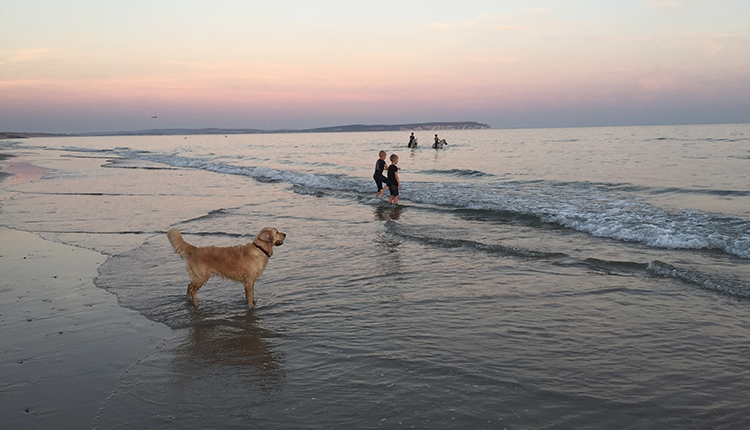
(266, 236)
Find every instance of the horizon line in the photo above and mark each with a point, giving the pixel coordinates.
(350, 128)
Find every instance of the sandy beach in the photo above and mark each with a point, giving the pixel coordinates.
(63, 342)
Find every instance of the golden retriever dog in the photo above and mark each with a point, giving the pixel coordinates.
(241, 263)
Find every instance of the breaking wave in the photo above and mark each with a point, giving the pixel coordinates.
(600, 210)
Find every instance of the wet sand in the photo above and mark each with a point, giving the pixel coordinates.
(64, 343)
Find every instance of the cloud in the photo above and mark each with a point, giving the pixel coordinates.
(665, 4)
(658, 82)
(25, 55)
(472, 26)
(539, 10)
(713, 44)
(495, 60)
(528, 20)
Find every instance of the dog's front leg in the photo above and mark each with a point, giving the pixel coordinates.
(249, 291)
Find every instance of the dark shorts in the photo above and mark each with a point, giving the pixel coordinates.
(393, 188)
(380, 180)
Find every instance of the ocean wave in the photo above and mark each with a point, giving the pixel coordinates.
(15, 144)
(723, 193)
(698, 140)
(456, 172)
(639, 222)
(428, 237)
(601, 213)
(600, 210)
(720, 283)
(80, 149)
(723, 284)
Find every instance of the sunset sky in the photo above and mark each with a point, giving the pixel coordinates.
(98, 65)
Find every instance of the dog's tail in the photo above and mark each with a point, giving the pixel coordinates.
(182, 248)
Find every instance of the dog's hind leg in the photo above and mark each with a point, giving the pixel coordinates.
(192, 291)
(249, 291)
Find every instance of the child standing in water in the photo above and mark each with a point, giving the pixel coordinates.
(380, 180)
(393, 182)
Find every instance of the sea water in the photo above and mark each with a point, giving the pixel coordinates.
(550, 278)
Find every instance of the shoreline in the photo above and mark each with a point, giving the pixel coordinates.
(65, 341)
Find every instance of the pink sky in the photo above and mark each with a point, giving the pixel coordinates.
(86, 66)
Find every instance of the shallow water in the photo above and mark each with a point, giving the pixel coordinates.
(563, 278)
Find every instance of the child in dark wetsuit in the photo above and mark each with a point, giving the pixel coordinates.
(380, 180)
(393, 182)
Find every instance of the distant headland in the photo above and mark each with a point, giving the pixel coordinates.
(23, 135)
(463, 125)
